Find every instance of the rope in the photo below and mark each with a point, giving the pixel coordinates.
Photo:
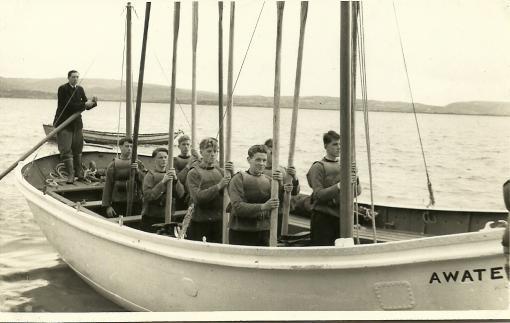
(117, 150)
(169, 83)
(103, 48)
(429, 184)
(363, 78)
(244, 59)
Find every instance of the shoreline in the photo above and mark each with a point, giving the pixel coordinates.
(207, 103)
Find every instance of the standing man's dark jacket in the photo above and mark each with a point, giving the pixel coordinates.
(70, 100)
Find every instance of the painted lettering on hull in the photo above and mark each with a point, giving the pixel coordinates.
(467, 275)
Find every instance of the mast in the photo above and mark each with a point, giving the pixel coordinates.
(346, 204)
(170, 163)
(131, 189)
(129, 81)
(228, 150)
(295, 110)
(220, 82)
(194, 77)
(276, 123)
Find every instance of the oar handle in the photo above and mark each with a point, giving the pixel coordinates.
(40, 143)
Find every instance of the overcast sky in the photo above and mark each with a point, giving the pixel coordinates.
(456, 50)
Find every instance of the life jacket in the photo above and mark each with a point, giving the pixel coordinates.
(331, 177)
(156, 208)
(257, 189)
(211, 211)
(121, 174)
(180, 162)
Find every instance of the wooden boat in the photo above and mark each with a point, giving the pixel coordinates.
(431, 259)
(110, 138)
(458, 268)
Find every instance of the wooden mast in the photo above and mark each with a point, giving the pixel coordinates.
(295, 110)
(220, 83)
(129, 81)
(194, 77)
(346, 192)
(170, 163)
(276, 123)
(228, 150)
(131, 189)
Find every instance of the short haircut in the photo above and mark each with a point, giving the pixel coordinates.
(208, 142)
(156, 151)
(183, 138)
(269, 143)
(257, 149)
(330, 136)
(71, 73)
(125, 139)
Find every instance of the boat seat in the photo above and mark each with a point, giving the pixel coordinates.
(365, 233)
(132, 218)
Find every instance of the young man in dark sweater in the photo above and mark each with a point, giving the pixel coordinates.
(324, 179)
(154, 190)
(181, 165)
(117, 180)
(205, 183)
(251, 202)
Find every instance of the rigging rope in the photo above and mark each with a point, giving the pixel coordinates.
(169, 83)
(102, 49)
(244, 59)
(363, 79)
(429, 184)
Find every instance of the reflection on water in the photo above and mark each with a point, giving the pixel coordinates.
(467, 158)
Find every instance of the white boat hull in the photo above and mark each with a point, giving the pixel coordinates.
(146, 272)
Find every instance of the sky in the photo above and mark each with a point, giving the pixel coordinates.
(456, 50)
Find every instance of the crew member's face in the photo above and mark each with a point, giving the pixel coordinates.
(209, 155)
(184, 147)
(257, 163)
(126, 149)
(161, 159)
(333, 148)
(73, 79)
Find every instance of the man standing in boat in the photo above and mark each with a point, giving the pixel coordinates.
(117, 181)
(206, 184)
(251, 203)
(180, 163)
(71, 99)
(291, 171)
(324, 179)
(154, 190)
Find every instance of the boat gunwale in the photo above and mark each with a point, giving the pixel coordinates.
(109, 133)
(296, 258)
(360, 201)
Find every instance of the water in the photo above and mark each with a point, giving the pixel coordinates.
(468, 159)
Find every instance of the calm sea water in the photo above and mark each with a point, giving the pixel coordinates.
(468, 159)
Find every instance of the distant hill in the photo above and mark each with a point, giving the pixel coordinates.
(109, 90)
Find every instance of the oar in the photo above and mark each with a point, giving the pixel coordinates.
(228, 151)
(194, 77)
(295, 110)
(346, 200)
(276, 124)
(170, 163)
(40, 143)
(138, 108)
(129, 81)
(220, 83)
